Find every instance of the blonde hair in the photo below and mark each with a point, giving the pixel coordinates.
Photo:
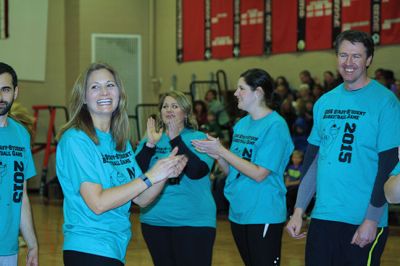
(184, 104)
(304, 87)
(81, 118)
(298, 153)
(19, 113)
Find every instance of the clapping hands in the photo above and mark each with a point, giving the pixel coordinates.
(212, 146)
(153, 136)
(168, 167)
(173, 129)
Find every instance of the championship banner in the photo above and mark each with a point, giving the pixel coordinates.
(284, 28)
(190, 30)
(251, 28)
(318, 25)
(356, 15)
(4, 19)
(390, 21)
(221, 29)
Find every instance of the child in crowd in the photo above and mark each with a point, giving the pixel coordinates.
(200, 112)
(292, 179)
(212, 127)
(217, 108)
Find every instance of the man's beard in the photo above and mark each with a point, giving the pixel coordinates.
(6, 109)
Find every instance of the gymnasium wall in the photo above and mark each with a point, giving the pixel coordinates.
(27, 38)
(70, 24)
(288, 65)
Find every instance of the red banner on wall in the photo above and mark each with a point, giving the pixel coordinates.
(221, 28)
(284, 27)
(193, 38)
(251, 27)
(390, 22)
(318, 25)
(356, 15)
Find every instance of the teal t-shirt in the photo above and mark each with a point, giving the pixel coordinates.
(265, 142)
(351, 128)
(16, 166)
(190, 203)
(79, 160)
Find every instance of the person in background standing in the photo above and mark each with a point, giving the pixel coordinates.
(98, 173)
(179, 226)
(352, 149)
(16, 167)
(255, 164)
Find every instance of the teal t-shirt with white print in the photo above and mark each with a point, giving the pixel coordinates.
(266, 142)
(351, 128)
(16, 166)
(189, 203)
(79, 160)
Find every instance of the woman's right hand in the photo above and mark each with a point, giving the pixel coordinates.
(168, 167)
(212, 146)
(153, 136)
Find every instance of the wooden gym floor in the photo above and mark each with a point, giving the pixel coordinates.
(49, 220)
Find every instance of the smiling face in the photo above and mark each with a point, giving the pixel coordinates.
(352, 63)
(171, 111)
(7, 93)
(102, 95)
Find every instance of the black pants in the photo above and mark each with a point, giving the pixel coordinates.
(255, 248)
(179, 246)
(76, 258)
(329, 243)
(291, 196)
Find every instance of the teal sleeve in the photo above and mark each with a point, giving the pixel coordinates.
(389, 126)
(314, 137)
(81, 161)
(273, 148)
(30, 165)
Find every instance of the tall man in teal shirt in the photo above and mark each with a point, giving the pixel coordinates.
(16, 166)
(353, 149)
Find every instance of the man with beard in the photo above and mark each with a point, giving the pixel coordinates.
(16, 166)
(352, 150)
